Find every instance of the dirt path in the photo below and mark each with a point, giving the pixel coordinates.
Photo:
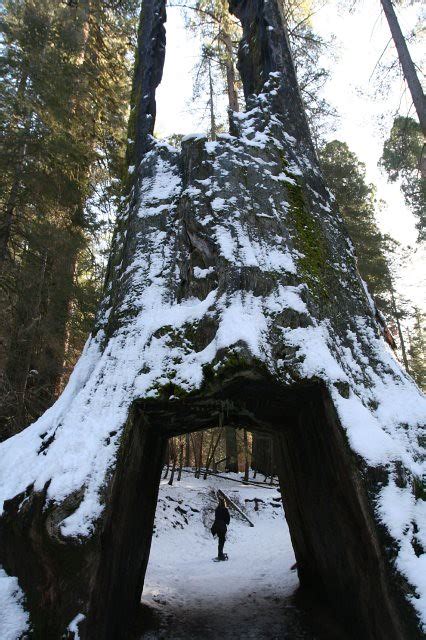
(252, 617)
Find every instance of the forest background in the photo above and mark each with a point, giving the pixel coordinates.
(65, 102)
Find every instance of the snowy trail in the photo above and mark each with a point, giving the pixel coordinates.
(249, 596)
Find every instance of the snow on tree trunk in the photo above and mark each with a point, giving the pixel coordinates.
(232, 298)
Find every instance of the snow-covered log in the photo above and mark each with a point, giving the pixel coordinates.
(232, 297)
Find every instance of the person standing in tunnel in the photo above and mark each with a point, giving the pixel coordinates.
(219, 527)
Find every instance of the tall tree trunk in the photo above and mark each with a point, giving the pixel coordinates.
(11, 202)
(63, 246)
(19, 363)
(9, 214)
(246, 456)
(57, 317)
(408, 68)
(230, 73)
(231, 449)
(180, 458)
(261, 452)
(174, 458)
(187, 450)
(200, 454)
(212, 450)
(209, 451)
(401, 337)
(211, 104)
(167, 460)
(42, 311)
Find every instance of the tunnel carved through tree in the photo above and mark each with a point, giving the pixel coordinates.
(231, 287)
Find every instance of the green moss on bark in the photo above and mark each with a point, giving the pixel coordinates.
(309, 242)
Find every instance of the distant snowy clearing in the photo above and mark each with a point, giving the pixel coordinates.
(250, 595)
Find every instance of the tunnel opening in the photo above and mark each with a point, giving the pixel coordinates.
(187, 591)
(336, 547)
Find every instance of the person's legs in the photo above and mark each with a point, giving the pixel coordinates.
(221, 544)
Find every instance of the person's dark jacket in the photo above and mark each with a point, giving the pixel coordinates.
(221, 520)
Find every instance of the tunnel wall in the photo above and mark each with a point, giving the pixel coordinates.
(335, 538)
(334, 535)
(126, 537)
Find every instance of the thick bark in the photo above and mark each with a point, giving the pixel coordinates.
(408, 68)
(149, 65)
(265, 50)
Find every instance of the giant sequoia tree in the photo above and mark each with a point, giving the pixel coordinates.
(232, 297)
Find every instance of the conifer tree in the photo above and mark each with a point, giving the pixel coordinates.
(402, 159)
(220, 33)
(417, 349)
(345, 175)
(66, 76)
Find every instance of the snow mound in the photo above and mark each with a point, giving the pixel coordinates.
(13, 617)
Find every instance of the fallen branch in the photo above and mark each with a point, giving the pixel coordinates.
(220, 494)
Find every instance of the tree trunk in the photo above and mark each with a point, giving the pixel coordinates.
(231, 450)
(211, 104)
(209, 452)
(172, 475)
(187, 450)
(167, 460)
(408, 68)
(230, 73)
(200, 453)
(6, 226)
(261, 452)
(63, 246)
(180, 458)
(212, 450)
(27, 323)
(43, 311)
(270, 330)
(401, 337)
(11, 202)
(58, 313)
(246, 457)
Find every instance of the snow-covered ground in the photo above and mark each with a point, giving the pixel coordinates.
(250, 595)
(13, 617)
